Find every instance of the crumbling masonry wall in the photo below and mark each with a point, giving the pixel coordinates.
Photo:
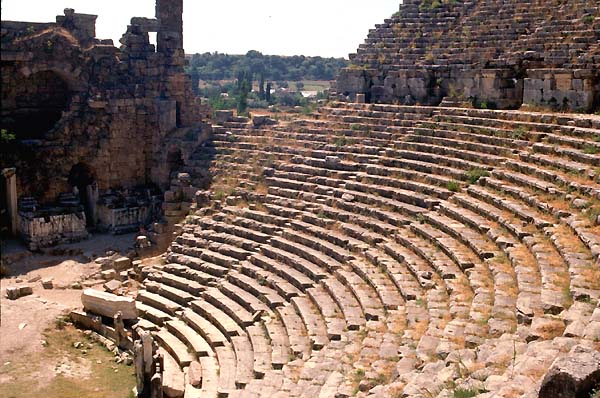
(71, 98)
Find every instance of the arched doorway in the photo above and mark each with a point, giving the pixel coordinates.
(83, 179)
(34, 104)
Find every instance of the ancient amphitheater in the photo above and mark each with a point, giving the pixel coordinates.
(404, 240)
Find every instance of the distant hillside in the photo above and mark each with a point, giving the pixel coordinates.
(216, 66)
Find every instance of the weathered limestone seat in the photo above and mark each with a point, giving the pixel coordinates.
(400, 240)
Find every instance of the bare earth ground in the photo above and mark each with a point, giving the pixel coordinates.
(26, 323)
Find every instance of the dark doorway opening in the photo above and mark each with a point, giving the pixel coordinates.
(178, 114)
(5, 221)
(174, 162)
(82, 177)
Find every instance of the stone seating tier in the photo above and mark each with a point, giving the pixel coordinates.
(425, 239)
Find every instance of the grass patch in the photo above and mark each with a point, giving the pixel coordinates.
(35, 376)
(460, 392)
(453, 186)
(588, 19)
(591, 150)
(475, 174)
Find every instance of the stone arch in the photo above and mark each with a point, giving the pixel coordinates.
(35, 104)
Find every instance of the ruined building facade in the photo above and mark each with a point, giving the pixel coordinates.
(83, 117)
(498, 54)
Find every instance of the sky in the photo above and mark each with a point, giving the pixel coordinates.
(329, 28)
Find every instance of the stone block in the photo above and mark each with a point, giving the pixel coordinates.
(574, 376)
(195, 374)
(112, 286)
(122, 263)
(108, 304)
(108, 274)
(16, 292)
(48, 283)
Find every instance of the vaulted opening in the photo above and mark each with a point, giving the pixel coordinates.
(33, 105)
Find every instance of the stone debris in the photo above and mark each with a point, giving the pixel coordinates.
(107, 304)
(16, 292)
(576, 375)
(112, 286)
(48, 283)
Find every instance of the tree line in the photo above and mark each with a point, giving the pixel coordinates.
(217, 66)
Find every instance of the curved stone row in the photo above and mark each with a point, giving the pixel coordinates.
(456, 33)
(381, 250)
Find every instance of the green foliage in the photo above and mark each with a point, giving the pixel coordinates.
(340, 142)
(591, 150)
(520, 133)
(588, 19)
(475, 174)
(6, 136)
(453, 186)
(308, 109)
(465, 392)
(430, 5)
(268, 92)
(215, 66)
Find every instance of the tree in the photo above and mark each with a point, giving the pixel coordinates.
(268, 92)
(244, 90)
(261, 87)
(299, 86)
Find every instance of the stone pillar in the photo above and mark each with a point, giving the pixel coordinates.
(11, 198)
(170, 32)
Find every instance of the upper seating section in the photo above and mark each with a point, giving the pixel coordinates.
(501, 52)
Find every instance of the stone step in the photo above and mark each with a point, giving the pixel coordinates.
(175, 347)
(184, 333)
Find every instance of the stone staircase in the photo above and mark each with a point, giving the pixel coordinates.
(383, 251)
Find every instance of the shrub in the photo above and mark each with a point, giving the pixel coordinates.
(466, 392)
(588, 19)
(6, 136)
(475, 174)
(453, 186)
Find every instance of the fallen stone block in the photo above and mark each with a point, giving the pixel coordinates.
(16, 292)
(112, 286)
(108, 304)
(48, 283)
(573, 376)
(122, 263)
(108, 274)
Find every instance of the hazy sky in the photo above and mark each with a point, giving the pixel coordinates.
(306, 27)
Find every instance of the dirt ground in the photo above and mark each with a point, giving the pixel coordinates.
(25, 322)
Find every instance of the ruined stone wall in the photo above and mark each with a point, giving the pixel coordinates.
(501, 53)
(71, 98)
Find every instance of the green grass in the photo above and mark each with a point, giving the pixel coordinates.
(453, 186)
(591, 150)
(107, 379)
(475, 174)
(466, 392)
(519, 133)
(588, 19)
